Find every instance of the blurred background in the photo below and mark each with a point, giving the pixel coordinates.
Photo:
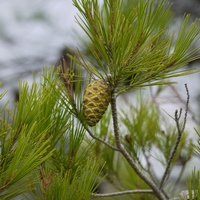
(33, 34)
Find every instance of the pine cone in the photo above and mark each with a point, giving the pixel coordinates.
(95, 101)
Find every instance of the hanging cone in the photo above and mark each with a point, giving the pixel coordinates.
(95, 101)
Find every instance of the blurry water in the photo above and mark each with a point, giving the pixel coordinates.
(32, 34)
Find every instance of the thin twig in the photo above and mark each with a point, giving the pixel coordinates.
(182, 101)
(123, 193)
(126, 155)
(99, 139)
(180, 132)
(187, 107)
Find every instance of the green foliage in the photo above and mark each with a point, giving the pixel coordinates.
(135, 46)
(25, 144)
(42, 145)
(76, 184)
(141, 120)
(19, 159)
(193, 181)
(193, 185)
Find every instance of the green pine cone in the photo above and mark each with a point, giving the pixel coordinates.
(95, 101)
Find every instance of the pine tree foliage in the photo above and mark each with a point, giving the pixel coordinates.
(42, 146)
(193, 185)
(136, 48)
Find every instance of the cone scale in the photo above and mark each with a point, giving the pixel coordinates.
(95, 101)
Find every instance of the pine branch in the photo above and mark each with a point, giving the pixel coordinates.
(115, 121)
(99, 139)
(126, 155)
(123, 193)
(180, 132)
